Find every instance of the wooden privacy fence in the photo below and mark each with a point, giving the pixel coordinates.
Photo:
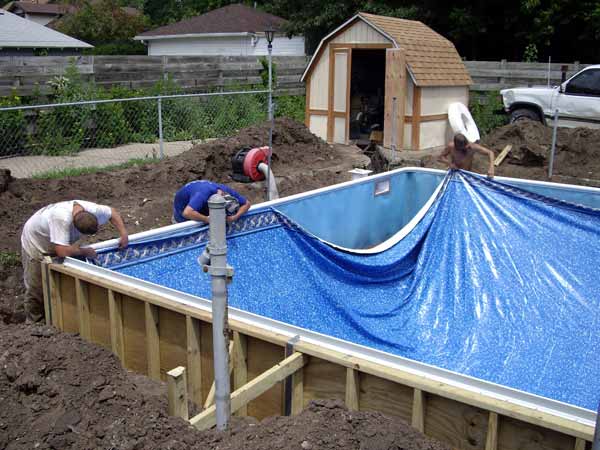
(26, 74)
(275, 373)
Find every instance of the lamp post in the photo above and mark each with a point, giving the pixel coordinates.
(269, 35)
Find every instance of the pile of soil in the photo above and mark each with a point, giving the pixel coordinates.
(59, 391)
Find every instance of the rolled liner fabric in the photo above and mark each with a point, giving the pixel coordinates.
(493, 282)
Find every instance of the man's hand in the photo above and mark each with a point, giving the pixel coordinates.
(490, 173)
(123, 242)
(88, 252)
(230, 219)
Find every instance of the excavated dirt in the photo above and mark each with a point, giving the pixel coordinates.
(60, 392)
(577, 156)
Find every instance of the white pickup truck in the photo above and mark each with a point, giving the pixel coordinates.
(577, 101)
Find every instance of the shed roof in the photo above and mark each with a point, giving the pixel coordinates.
(235, 18)
(17, 32)
(431, 58)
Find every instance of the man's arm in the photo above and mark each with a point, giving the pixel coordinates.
(243, 209)
(485, 151)
(117, 221)
(444, 156)
(190, 214)
(62, 251)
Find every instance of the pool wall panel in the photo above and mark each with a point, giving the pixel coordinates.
(380, 388)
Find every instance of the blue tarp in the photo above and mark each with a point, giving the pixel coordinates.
(494, 282)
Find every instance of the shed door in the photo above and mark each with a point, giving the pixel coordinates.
(395, 98)
(338, 102)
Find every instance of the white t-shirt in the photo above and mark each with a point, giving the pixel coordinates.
(53, 224)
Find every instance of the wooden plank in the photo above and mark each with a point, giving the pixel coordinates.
(362, 46)
(210, 398)
(253, 389)
(173, 340)
(387, 397)
(348, 83)
(70, 319)
(134, 335)
(83, 309)
(429, 118)
(318, 112)
(261, 357)
(208, 369)
(516, 435)
(297, 392)
(580, 444)
(177, 393)
(115, 308)
(330, 121)
(416, 119)
(152, 341)
(503, 154)
(99, 315)
(194, 359)
(395, 88)
(324, 380)
(418, 410)
(46, 292)
(307, 103)
(56, 300)
(352, 389)
(491, 440)
(240, 366)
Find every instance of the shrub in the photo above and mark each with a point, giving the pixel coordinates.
(484, 109)
(13, 127)
(292, 106)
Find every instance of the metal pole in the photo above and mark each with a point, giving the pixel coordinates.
(160, 129)
(272, 122)
(219, 271)
(549, 67)
(552, 150)
(596, 442)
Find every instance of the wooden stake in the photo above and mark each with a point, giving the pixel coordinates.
(418, 410)
(56, 300)
(491, 441)
(83, 309)
(503, 155)
(240, 366)
(416, 119)
(46, 291)
(580, 444)
(297, 392)
(177, 393)
(152, 341)
(352, 389)
(194, 360)
(115, 311)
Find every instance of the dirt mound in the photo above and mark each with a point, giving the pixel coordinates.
(577, 149)
(60, 392)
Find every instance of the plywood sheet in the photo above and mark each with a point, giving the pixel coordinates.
(387, 397)
(99, 317)
(134, 335)
(208, 365)
(261, 357)
(173, 341)
(517, 435)
(324, 380)
(69, 304)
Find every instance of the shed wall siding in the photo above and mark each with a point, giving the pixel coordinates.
(433, 134)
(227, 46)
(435, 100)
(360, 33)
(318, 125)
(319, 83)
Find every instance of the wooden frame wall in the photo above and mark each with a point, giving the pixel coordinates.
(153, 335)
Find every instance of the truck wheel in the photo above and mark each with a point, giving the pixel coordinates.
(524, 114)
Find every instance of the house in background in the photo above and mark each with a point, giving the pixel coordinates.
(41, 13)
(22, 37)
(234, 30)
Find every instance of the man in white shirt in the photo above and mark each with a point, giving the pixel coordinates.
(52, 231)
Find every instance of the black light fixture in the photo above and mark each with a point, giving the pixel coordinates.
(270, 34)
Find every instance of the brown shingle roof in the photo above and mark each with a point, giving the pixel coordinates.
(229, 19)
(36, 8)
(432, 59)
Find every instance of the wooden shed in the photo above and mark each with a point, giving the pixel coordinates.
(394, 72)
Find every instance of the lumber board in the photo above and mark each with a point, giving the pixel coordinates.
(324, 380)
(491, 440)
(262, 356)
(99, 315)
(352, 389)
(418, 410)
(253, 389)
(83, 309)
(134, 335)
(46, 292)
(194, 359)
(240, 366)
(580, 444)
(177, 393)
(516, 435)
(172, 341)
(115, 308)
(395, 87)
(56, 300)
(152, 341)
(70, 319)
(416, 119)
(384, 396)
(208, 363)
(297, 392)
(503, 154)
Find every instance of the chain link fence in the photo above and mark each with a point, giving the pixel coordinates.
(98, 133)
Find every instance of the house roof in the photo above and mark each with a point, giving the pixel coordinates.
(235, 18)
(431, 58)
(22, 33)
(36, 8)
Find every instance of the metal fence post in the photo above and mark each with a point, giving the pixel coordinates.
(160, 130)
(553, 149)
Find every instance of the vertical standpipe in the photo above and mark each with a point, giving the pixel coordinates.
(219, 271)
(271, 121)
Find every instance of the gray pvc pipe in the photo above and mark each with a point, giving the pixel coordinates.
(218, 269)
(272, 186)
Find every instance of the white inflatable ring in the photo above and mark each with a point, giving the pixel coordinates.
(462, 122)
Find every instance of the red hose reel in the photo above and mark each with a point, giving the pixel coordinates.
(245, 164)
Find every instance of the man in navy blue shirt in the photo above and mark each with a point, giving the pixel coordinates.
(191, 201)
